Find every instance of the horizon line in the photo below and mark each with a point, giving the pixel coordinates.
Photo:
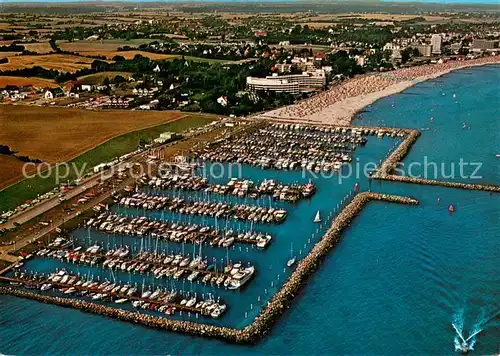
(313, 2)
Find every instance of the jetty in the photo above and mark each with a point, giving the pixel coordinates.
(384, 172)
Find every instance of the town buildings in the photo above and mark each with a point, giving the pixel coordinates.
(436, 41)
(292, 83)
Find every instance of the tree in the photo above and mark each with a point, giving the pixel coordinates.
(118, 58)
(143, 142)
(118, 79)
(405, 55)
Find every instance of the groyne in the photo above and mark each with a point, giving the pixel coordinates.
(278, 304)
(282, 300)
(129, 316)
(384, 172)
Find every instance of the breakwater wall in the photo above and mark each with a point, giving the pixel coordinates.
(389, 165)
(468, 186)
(133, 317)
(282, 300)
(278, 304)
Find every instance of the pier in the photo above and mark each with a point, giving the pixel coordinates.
(175, 232)
(384, 172)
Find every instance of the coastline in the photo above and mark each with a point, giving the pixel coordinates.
(326, 109)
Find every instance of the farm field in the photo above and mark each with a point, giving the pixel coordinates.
(22, 81)
(39, 47)
(10, 170)
(61, 62)
(122, 142)
(60, 134)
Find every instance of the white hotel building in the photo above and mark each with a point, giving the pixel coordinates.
(292, 83)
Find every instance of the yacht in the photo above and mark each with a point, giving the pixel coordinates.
(241, 277)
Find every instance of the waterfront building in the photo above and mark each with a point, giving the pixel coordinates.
(425, 50)
(481, 45)
(436, 41)
(292, 83)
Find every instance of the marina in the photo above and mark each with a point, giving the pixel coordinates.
(299, 245)
(176, 232)
(195, 235)
(236, 187)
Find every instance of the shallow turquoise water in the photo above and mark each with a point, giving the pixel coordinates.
(395, 284)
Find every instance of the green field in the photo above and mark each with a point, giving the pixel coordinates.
(29, 189)
(98, 78)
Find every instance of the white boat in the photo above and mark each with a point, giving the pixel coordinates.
(240, 278)
(263, 241)
(317, 218)
(292, 259)
(121, 301)
(46, 287)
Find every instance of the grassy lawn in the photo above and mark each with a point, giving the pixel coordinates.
(30, 188)
(208, 60)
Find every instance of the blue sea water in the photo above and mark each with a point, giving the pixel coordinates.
(395, 284)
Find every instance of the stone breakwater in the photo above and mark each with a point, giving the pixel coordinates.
(468, 186)
(278, 304)
(133, 317)
(387, 168)
(282, 300)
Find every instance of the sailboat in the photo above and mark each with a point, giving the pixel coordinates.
(317, 218)
(291, 261)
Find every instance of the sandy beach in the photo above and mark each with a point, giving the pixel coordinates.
(339, 104)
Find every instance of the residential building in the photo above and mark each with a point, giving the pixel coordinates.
(425, 50)
(480, 45)
(436, 41)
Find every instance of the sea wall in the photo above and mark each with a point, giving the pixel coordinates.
(387, 168)
(278, 304)
(133, 317)
(282, 300)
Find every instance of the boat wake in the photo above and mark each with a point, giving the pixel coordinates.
(465, 344)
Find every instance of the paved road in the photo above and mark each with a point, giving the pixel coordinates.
(48, 204)
(4, 250)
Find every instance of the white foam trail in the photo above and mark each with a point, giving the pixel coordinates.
(474, 334)
(458, 330)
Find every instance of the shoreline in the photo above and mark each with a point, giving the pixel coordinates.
(317, 109)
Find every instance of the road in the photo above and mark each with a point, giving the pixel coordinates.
(4, 250)
(46, 205)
